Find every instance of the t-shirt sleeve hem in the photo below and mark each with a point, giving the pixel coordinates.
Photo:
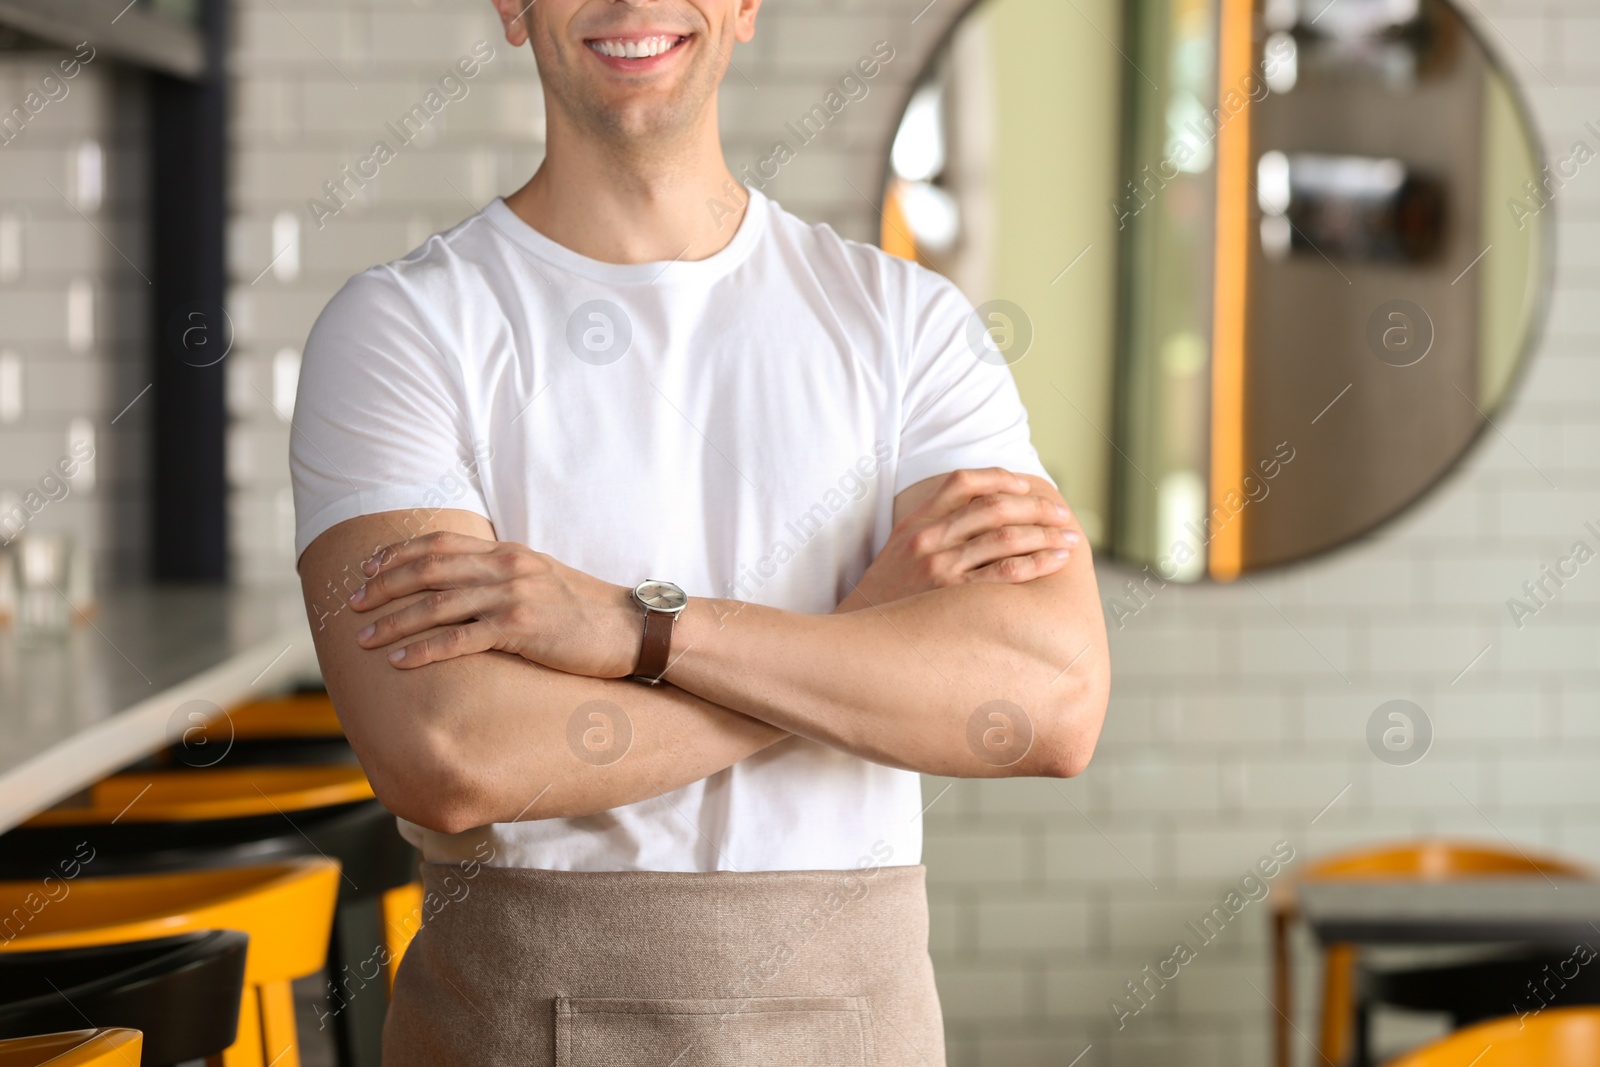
(373, 502)
(916, 468)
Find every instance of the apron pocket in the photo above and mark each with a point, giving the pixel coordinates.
(711, 1032)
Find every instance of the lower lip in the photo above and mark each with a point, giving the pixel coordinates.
(642, 64)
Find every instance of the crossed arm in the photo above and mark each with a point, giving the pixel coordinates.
(466, 668)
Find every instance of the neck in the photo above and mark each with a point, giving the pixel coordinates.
(617, 204)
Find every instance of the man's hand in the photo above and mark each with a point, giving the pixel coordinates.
(496, 595)
(979, 526)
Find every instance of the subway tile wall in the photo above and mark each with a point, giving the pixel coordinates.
(73, 289)
(1239, 713)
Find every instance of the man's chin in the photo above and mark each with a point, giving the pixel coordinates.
(645, 123)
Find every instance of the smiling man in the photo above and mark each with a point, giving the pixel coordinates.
(651, 552)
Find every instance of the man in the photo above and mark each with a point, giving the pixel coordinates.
(650, 554)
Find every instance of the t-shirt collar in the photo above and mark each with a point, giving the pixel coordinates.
(511, 226)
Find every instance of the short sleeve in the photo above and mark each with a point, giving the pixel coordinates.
(958, 410)
(380, 423)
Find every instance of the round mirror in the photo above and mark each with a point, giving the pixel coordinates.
(1262, 274)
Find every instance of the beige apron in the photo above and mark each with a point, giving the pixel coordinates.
(538, 968)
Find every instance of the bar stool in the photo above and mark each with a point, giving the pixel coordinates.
(286, 908)
(294, 728)
(75, 1048)
(187, 819)
(182, 993)
(297, 727)
(302, 727)
(179, 796)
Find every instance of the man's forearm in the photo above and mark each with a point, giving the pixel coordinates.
(503, 739)
(914, 683)
(969, 659)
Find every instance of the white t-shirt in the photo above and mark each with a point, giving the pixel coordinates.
(738, 425)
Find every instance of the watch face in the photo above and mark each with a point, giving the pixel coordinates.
(662, 596)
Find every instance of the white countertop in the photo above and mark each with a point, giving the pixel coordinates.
(81, 705)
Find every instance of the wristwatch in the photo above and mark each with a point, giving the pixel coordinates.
(662, 602)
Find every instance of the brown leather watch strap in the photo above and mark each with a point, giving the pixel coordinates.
(656, 650)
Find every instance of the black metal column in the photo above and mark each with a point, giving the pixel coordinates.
(190, 331)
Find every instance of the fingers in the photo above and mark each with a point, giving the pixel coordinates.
(961, 487)
(1014, 570)
(434, 570)
(993, 512)
(457, 641)
(1010, 541)
(440, 541)
(436, 609)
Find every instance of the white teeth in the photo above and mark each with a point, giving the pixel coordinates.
(639, 49)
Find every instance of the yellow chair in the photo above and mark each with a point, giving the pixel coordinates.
(1558, 1037)
(311, 715)
(292, 792)
(402, 918)
(238, 792)
(1425, 860)
(218, 793)
(296, 715)
(286, 908)
(76, 1048)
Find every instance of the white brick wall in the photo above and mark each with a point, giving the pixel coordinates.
(1229, 730)
(65, 241)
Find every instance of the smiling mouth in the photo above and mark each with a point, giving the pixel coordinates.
(637, 48)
